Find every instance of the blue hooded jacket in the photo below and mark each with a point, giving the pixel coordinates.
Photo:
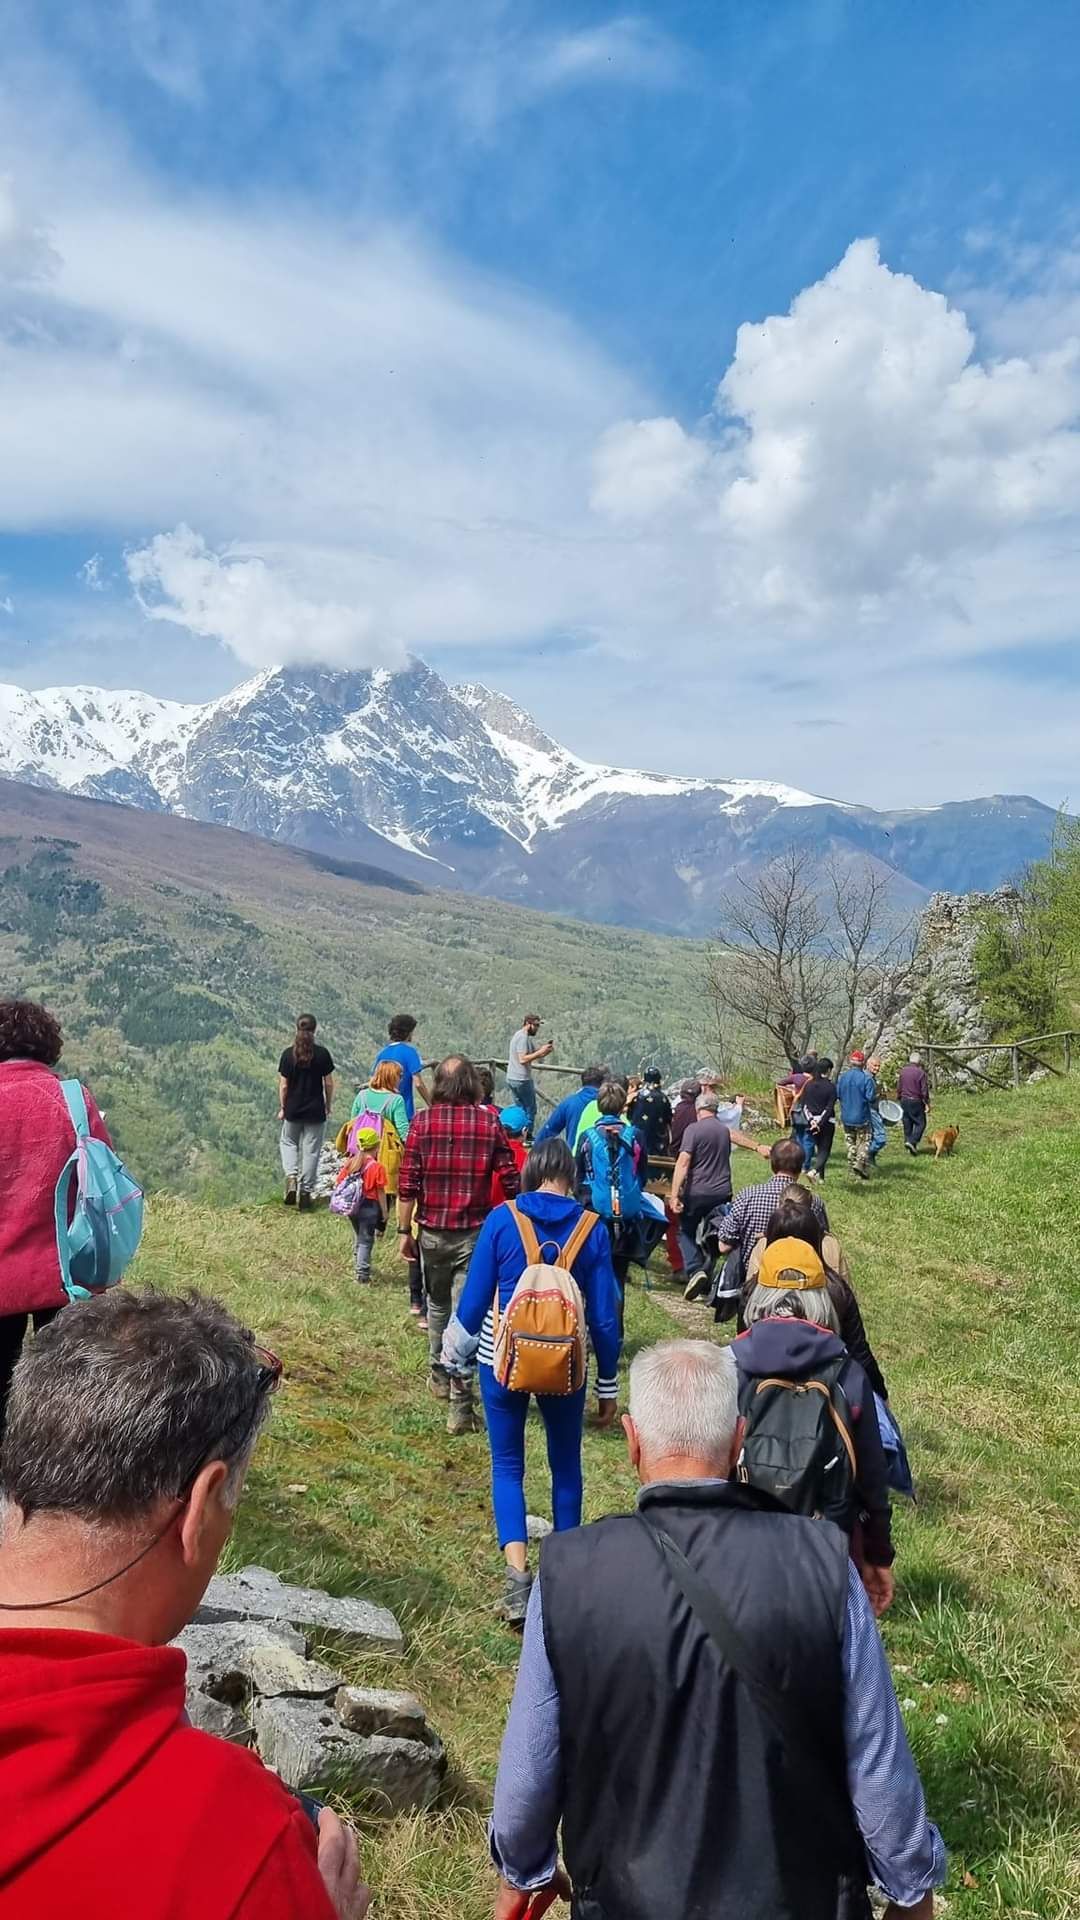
(499, 1260)
(856, 1091)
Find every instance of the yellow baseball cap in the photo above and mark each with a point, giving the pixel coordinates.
(791, 1265)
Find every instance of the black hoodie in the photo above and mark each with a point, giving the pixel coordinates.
(792, 1349)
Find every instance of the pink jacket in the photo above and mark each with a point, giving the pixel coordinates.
(36, 1137)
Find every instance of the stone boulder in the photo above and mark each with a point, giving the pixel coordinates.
(306, 1743)
(377, 1710)
(258, 1594)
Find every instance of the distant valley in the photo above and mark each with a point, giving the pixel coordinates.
(456, 787)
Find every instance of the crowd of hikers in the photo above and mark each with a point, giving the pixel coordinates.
(703, 1721)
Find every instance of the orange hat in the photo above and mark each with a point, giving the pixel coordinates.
(792, 1266)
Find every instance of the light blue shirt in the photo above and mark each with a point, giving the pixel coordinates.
(905, 1851)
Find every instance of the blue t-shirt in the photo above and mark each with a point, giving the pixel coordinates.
(410, 1063)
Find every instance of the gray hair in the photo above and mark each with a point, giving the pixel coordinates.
(684, 1400)
(915, 1059)
(707, 1103)
(804, 1303)
(123, 1400)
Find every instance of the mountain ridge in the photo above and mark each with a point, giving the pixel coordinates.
(460, 787)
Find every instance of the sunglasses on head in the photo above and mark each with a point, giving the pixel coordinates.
(267, 1380)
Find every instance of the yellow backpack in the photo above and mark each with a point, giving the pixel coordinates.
(539, 1342)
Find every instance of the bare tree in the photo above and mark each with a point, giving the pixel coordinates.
(871, 953)
(770, 969)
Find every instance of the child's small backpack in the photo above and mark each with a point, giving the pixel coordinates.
(369, 1119)
(797, 1442)
(614, 1192)
(539, 1342)
(348, 1196)
(101, 1239)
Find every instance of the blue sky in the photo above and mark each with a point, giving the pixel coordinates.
(335, 331)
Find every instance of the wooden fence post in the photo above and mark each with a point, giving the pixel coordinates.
(1016, 1066)
(930, 1073)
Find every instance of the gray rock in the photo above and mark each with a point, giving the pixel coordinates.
(219, 1718)
(536, 1527)
(307, 1745)
(278, 1670)
(377, 1710)
(258, 1594)
(220, 1657)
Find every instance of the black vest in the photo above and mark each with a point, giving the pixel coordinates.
(680, 1799)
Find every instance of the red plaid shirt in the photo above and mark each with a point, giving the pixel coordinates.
(451, 1156)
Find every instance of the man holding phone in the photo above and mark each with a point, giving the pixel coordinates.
(523, 1055)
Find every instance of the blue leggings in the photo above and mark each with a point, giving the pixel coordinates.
(563, 1417)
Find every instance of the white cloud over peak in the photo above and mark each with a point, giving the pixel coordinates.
(26, 250)
(258, 613)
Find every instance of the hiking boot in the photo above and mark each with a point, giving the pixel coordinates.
(439, 1383)
(303, 1200)
(697, 1286)
(290, 1190)
(515, 1600)
(910, 1147)
(462, 1415)
(363, 1279)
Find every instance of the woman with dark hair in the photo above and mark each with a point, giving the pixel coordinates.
(794, 1219)
(499, 1259)
(305, 1098)
(36, 1140)
(817, 1101)
(401, 1048)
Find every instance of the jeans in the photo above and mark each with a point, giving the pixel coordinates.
(878, 1133)
(301, 1145)
(365, 1225)
(823, 1145)
(523, 1094)
(858, 1147)
(563, 1416)
(690, 1219)
(914, 1121)
(805, 1139)
(444, 1262)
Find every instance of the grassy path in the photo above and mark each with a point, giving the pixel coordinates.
(970, 1285)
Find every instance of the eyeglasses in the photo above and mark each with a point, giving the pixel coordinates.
(267, 1380)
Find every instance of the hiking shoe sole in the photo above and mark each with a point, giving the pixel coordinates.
(696, 1287)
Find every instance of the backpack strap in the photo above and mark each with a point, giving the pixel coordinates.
(819, 1387)
(528, 1234)
(75, 1101)
(569, 1253)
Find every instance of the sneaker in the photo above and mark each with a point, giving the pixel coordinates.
(515, 1600)
(439, 1383)
(363, 1279)
(303, 1201)
(697, 1286)
(422, 1322)
(909, 1147)
(415, 1307)
(290, 1190)
(462, 1415)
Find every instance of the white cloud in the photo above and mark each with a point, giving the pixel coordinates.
(26, 250)
(258, 613)
(642, 467)
(627, 48)
(7, 604)
(90, 573)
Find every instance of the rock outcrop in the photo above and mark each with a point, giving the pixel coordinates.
(252, 1680)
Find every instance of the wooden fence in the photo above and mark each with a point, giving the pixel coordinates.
(1018, 1050)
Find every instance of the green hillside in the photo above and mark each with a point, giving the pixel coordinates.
(178, 955)
(967, 1276)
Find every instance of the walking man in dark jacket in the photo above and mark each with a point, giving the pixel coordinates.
(913, 1093)
(607, 1732)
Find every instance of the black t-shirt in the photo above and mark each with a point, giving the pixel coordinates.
(651, 1114)
(304, 1099)
(708, 1143)
(818, 1097)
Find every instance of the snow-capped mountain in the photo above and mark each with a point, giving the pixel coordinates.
(457, 786)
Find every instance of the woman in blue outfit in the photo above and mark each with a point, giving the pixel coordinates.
(498, 1261)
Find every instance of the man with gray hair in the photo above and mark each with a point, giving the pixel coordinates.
(131, 1424)
(913, 1093)
(701, 1182)
(703, 1700)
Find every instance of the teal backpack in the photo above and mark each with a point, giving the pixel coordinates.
(102, 1236)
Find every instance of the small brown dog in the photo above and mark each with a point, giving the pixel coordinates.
(944, 1140)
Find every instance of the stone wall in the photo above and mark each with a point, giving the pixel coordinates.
(945, 960)
(252, 1680)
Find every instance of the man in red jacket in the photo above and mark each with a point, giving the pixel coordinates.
(131, 1423)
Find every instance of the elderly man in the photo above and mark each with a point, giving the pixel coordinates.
(856, 1091)
(702, 1182)
(131, 1423)
(913, 1093)
(735, 1705)
(456, 1151)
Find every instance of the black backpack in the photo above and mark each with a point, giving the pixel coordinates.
(797, 1443)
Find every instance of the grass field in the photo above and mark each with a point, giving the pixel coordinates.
(969, 1284)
